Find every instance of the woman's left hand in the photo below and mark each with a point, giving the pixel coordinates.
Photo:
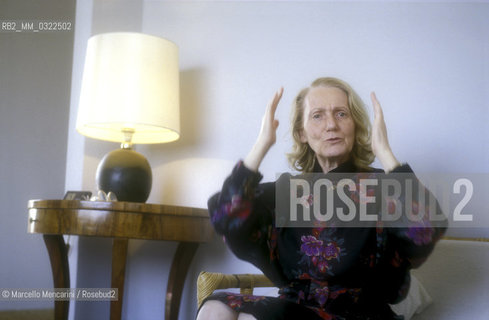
(380, 142)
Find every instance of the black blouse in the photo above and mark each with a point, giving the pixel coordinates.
(323, 271)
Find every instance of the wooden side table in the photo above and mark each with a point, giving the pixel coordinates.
(121, 221)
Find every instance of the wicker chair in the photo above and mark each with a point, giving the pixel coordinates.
(435, 273)
(207, 282)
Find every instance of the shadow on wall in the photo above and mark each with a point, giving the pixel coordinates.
(189, 182)
(180, 176)
(191, 115)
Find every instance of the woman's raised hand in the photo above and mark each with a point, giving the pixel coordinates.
(269, 125)
(380, 142)
(267, 136)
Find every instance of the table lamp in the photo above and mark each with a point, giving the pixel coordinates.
(130, 95)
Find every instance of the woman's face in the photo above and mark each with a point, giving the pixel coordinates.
(328, 125)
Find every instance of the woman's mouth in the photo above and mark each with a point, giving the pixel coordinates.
(333, 140)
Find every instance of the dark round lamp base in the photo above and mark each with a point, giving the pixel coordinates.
(127, 174)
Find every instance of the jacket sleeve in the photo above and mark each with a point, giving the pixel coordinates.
(408, 241)
(421, 224)
(243, 213)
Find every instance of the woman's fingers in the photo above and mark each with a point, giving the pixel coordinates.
(380, 142)
(376, 105)
(379, 130)
(269, 118)
(274, 103)
(378, 113)
(276, 100)
(267, 135)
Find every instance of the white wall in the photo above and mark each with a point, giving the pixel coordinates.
(35, 73)
(75, 160)
(427, 62)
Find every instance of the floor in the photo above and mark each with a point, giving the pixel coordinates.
(43, 314)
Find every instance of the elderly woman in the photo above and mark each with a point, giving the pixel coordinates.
(323, 272)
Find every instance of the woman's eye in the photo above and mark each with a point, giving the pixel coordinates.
(316, 116)
(341, 114)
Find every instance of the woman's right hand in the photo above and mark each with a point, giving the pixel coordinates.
(269, 125)
(267, 136)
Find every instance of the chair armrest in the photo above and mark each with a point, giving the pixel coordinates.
(207, 282)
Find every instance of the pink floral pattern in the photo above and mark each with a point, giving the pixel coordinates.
(320, 252)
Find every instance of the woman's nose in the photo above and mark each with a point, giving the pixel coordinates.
(330, 123)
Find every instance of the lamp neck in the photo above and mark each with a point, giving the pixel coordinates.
(127, 146)
(128, 134)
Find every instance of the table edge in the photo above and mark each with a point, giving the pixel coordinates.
(122, 206)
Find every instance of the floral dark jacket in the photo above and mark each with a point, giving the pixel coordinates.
(323, 272)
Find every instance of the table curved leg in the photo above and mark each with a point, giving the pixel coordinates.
(58, 256)
(119, 257)
(176, 279)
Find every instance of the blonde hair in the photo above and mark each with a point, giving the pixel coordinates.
(302, 157)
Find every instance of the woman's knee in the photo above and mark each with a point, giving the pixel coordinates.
(216, 310)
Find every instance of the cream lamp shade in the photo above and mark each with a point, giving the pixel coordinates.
(130, 85)
(130, 95)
